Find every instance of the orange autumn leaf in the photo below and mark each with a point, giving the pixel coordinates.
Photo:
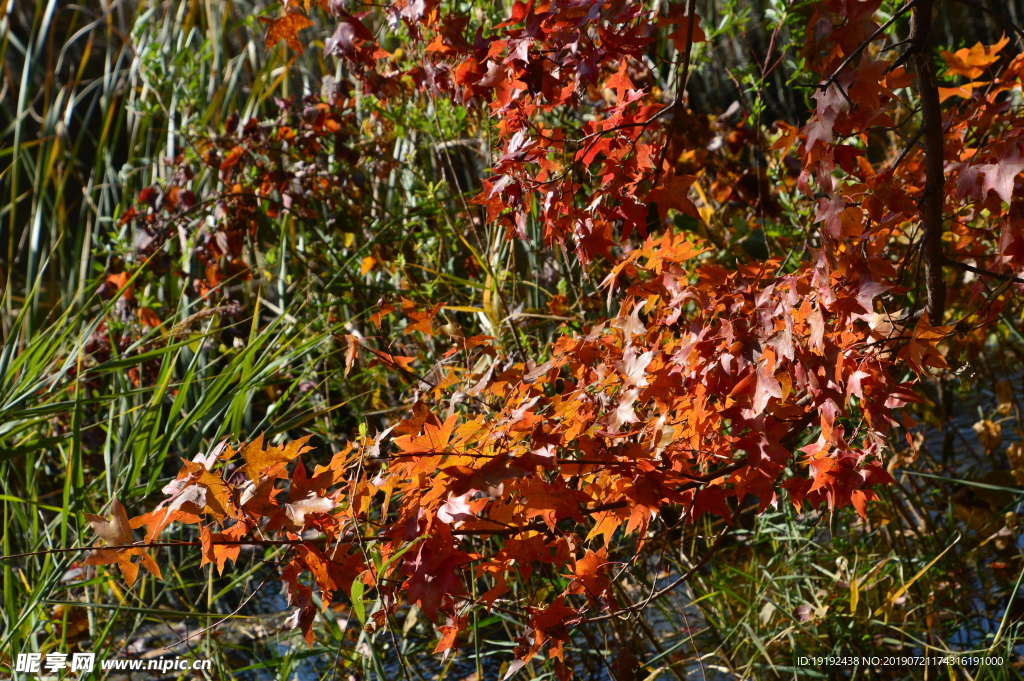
(921, 350)
(352, 347)
(286, 28)
(971, 62)
(231, 159)
(449, 634)
(383, 309)
(149, 317)
(420, 320)
(964, 91)
(672, 194)
(218, 547)
(399, 362)
(590, 574)
(677, 15)
(120, 283)
(116, 533)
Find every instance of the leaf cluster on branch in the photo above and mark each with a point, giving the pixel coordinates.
(699, 394)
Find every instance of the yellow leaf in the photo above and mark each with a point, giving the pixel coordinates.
(258, 459)
(989, 433)
(1015, 453)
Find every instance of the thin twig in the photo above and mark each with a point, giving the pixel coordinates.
(661, 592)
(1000, 17)
(227, 617)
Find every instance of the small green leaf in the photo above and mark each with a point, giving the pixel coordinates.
(357, 599)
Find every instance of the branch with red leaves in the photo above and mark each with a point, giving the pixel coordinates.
(719, 383)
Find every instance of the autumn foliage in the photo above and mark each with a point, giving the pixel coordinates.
(720, 381)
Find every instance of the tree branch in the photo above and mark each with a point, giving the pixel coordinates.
(906, 150)
(681, 77)
(983, 273)
(860, 48)
(1017, 29)
(931, 122)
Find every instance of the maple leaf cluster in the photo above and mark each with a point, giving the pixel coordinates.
(699, 394)
(309, 161)
(869, 209)
(691, 397)
(547, 57)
